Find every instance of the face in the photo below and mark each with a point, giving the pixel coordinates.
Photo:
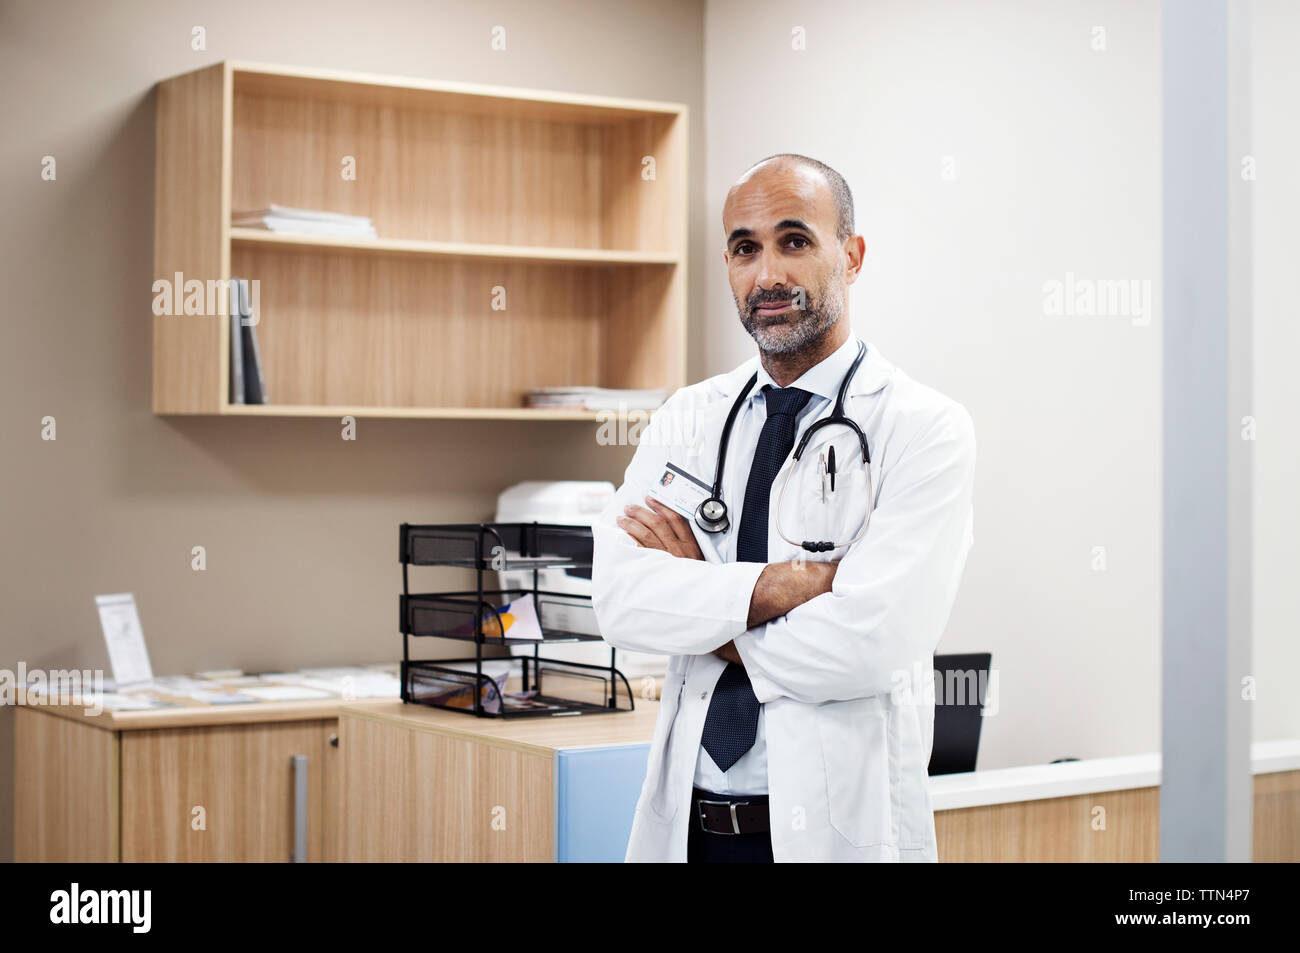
(789, 272)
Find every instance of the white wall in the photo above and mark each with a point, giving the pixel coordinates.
(1276, 101)
(1056, 149)
(1057, 169)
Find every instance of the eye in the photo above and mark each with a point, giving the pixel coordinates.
(743, 248)
(803, 242)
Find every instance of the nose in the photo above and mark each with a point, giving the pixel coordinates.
(771, 271)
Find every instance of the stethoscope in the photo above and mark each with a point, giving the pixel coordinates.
(711, 515)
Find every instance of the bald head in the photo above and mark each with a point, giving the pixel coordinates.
(791, 162)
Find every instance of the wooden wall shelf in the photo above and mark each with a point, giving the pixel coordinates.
(398, 246)
(445, 413)
(471, 189)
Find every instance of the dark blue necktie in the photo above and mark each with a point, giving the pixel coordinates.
(732, 719)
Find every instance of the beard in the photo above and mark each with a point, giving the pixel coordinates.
(793, 331)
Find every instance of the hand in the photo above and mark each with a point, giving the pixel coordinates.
(729, 653)
(660, 528)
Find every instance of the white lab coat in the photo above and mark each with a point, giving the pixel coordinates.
(845, 679)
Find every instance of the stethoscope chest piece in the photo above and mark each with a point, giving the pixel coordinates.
(712, 516)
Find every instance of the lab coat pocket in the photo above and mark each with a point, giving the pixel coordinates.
(833, 515)
(910, 794)
(659, 797)
(855, 748)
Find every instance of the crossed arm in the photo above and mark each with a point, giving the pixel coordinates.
(805, 640)
(780, 587)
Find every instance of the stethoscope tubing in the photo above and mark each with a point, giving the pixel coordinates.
(715, 503)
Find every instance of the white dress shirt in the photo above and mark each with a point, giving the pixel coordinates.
(749, 774)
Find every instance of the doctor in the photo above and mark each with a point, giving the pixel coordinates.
(797, 715)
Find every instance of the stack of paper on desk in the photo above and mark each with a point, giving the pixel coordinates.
(233, 687)
(349, 681)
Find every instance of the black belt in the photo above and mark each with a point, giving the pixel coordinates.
(730, 813)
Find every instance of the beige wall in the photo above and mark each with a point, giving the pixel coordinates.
(300, 527)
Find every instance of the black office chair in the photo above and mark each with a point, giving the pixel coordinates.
(957, 719)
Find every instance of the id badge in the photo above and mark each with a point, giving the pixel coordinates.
(679, 490)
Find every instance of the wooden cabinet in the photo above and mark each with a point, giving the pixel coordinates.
(261, 784)
(425, 784)
(225, 793)
(65, 789)
(409, 783)
(526, 239)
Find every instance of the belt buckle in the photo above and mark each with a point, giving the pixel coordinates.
(735, 823)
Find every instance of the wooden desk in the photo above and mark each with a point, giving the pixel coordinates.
(1098, 810)
(407, 782)
(196, 782)
(422, 784)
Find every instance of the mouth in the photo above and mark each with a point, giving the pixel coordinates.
(770, 309)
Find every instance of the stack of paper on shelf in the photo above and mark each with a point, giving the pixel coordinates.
(594, 398)
(305, 221)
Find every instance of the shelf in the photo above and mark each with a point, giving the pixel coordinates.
(438, 684)
(464, 616)
(507, 564)
(543, 226)
(430, 413)
(472, 250)
(549, 638)
(503, 102)
(498, 547)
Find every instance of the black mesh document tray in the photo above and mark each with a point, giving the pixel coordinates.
(492, 685)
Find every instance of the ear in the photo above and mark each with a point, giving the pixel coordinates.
(855, 248)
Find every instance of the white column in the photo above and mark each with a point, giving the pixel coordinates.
(1206, 788)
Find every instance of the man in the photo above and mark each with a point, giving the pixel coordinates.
(797, 714)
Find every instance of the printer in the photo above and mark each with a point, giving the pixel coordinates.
(574, 503)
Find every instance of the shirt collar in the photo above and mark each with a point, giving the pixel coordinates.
(822, 379)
